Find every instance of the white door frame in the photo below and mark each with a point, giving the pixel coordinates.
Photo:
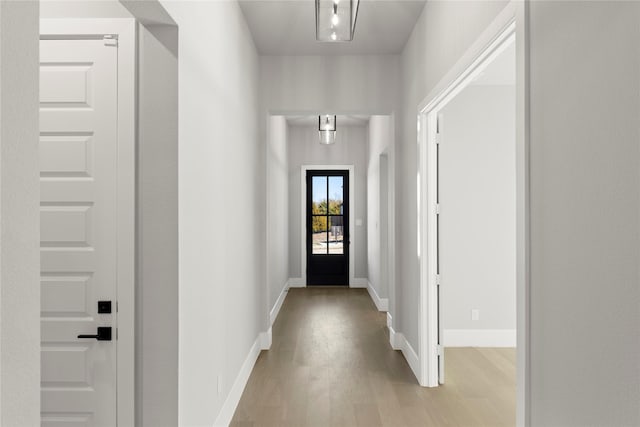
(510, 24)
(303, 218)
(125, 32)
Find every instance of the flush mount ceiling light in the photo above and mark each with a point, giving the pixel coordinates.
(327, 129)
(336, 20)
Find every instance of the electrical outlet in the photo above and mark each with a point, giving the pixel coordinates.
(475, 314)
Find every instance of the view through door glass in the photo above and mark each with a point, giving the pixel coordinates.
(327, 228)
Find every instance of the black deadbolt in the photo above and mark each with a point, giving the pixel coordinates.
(104, 306)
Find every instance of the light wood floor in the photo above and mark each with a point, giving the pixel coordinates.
(330, 364)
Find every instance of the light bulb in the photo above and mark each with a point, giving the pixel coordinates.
(328, 137)
(335, 20)
(334, 36)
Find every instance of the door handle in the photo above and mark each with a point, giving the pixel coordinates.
(104, 334)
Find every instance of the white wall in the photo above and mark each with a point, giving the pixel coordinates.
(277, 208)
(157, 228)
(444, 31)
(19, 216)
(349, 149)
(584, 202)
(338, 84)
(330, 84)
(367, 84)
(477, 241)
(223, 305)
(585, 210)
(60, 9)
(380, 141)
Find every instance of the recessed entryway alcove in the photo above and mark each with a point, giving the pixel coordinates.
(362, 147)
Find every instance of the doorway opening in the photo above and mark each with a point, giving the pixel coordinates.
(472, 242)
(475, 216)
(364, 148)
(293, 149)
(327, 220)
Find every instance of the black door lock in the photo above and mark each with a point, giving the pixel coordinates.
(104, 334)
(104, 307)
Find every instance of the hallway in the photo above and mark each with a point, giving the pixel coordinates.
(330, 364)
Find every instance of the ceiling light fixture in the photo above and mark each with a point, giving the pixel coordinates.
(327, 129)
(336, 20)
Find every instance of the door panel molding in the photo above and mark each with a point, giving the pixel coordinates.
(303, 217)
(124, 30)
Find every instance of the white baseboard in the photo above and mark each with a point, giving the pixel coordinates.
(359, 282)
(381, 303)
(399, 342)
(297, 282)
(389, 320)
(231, 403)
(479, 337)
(393, 339)
(278, 305)
(265, 340)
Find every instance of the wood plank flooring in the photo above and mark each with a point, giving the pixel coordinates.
(330, 364)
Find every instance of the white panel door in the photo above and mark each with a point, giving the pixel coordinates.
(78, 171)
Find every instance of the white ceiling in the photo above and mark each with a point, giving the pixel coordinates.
(287, 27)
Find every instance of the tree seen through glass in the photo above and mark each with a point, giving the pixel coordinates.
(326, 209)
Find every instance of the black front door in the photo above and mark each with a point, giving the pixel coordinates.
(328, 227)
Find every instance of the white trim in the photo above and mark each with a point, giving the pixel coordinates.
(393, 338)
(266, 339)
(399, 342)
(523, 250)
(513, 20)
(231, 403)
(268, 200)
(392, 332)
(303, 218)
(126, 31)
(273, 314)
(472, 58)
(297, 282)
(382, 304)
(359, 282)
(391, 218)
(479, 338)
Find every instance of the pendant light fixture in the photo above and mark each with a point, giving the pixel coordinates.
(327, 129)
(336, 20)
